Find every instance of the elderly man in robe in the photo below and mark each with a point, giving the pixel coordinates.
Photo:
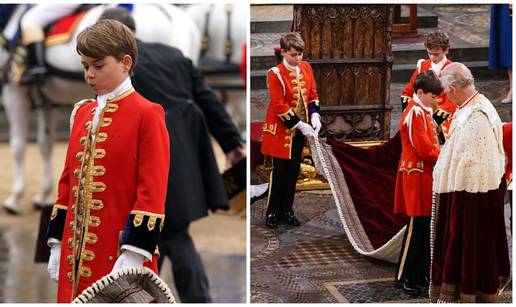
(470, 260)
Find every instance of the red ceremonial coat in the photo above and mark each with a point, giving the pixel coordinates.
(292, 99)
(119, 184)
(419, 152)
(445, 108)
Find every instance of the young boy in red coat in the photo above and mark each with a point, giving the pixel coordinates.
(293, 106)
(413, 197)
(437, 45)
(111, 195)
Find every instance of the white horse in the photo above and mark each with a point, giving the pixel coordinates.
(224, 30)
(166, 24)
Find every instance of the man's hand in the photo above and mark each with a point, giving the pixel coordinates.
(128, 259)
(234, 156)
(316, 122)
(53, 261)
(305, 129)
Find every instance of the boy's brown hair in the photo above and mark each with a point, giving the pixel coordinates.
(105, 38)
(437, 39)
(428, 82)
(292, 40)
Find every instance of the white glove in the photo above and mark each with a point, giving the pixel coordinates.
(316, 122)
(128, 259)
(53, 261)
(305, 129)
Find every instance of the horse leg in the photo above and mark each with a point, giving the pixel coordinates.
(17, 111)
(45, 138)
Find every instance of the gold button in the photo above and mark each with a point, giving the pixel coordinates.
(110, 258)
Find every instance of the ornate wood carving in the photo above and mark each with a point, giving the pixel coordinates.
(349, 48)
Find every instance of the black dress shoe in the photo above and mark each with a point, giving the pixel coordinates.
(291, 218)
(272, 220)
(424, 282)
(410, 288)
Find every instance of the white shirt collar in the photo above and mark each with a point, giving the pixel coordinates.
(420, 103)
(439, 66)
(290, 67)
(102, 100)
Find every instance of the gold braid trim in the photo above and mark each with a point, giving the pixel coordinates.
(287, 115)
(55, 208)
(151, 223)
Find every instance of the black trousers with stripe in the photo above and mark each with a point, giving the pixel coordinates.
(414, 261)
(282, 186)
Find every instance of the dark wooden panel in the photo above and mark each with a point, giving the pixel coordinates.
(349, 48)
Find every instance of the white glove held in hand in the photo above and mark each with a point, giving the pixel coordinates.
(128, 259)
(305, 129)
(53, 261)
(316, 122)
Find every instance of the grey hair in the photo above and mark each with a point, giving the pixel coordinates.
(456, 75)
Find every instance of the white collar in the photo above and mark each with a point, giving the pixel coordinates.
(439, 66)
(119, 90)
(102, 100)
(420, 103)
(290, 67)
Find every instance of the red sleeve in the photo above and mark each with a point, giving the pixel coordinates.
(60, 208)
(243, 64)
(278, 103)
(422, 143)
(153, 161)
(63, 187)
(147, 217)
(409, 89)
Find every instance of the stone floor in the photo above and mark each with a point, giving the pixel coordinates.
(315, 263)
(219, 238)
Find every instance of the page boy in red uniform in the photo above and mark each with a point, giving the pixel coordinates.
(292, 116)
(111, 195)
(413, 196)
(437, 46)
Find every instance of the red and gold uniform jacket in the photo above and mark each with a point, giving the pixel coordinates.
(293, 98)
(445, 108)
(420, 150)
(112, 189)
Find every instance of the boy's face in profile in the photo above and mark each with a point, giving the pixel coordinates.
(428, 99)
(436, 54)
(292, 56)
(104, 75)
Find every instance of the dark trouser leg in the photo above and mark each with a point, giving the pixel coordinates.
(414, 261)
(187, 268)
(284, 177)
(293, 171)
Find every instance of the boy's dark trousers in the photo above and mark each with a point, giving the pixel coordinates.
(414, 261)
(187, 268)
(284, 177)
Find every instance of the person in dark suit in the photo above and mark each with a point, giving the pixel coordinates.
(192, 112)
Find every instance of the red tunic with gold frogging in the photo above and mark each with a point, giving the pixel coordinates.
(445, 108)
(118, 182)
(291, 99)
(420, 149)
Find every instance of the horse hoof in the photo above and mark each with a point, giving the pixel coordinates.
(11, 210)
